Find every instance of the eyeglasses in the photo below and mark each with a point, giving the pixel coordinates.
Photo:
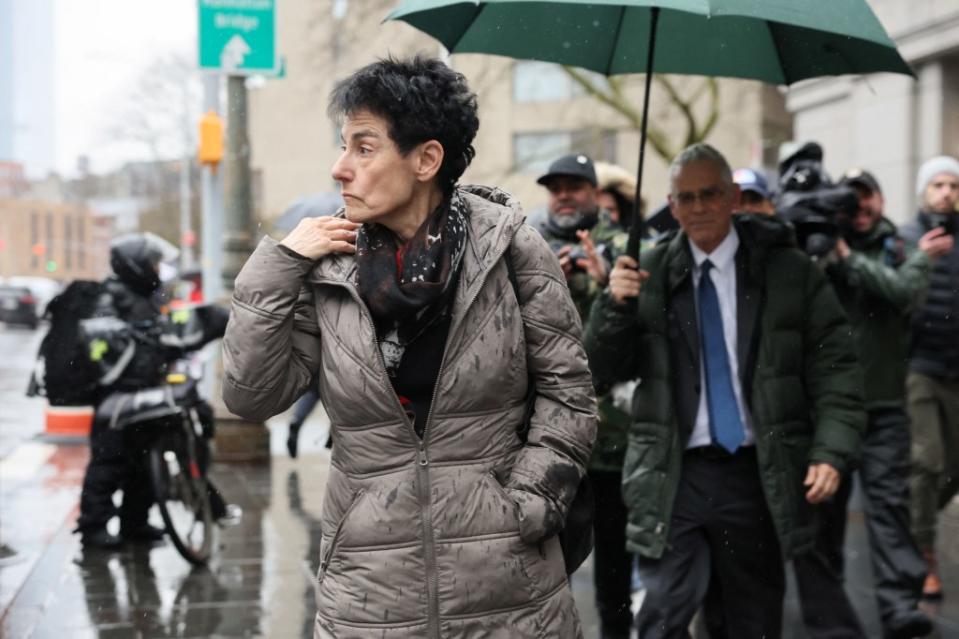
(707, 196)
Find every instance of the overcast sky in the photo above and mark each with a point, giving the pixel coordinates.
(101, 47)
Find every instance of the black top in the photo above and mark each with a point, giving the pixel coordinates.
(416, 376)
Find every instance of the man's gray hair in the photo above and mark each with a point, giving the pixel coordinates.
(700, 152)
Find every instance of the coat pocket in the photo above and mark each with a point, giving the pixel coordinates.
(531, 558)
(331, 547)
(500, 490)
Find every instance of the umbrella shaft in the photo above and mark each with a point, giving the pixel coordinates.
(632, 247)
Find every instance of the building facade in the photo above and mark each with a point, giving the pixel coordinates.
(530, 112)
(890, 124)
(52, 239)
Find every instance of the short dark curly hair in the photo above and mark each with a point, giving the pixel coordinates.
(422, 99)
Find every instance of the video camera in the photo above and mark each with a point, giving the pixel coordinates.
(817, 208)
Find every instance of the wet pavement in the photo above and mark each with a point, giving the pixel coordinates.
(21, 416)
(260, 583)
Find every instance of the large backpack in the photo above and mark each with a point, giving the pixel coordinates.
(69, 372)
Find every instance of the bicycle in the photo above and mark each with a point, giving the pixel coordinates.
(178, 458)
(175, 424)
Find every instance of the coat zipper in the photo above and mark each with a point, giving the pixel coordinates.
(422, 477)
(430, 549)
(423, 472)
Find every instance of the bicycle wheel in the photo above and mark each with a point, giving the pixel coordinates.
(180, 489)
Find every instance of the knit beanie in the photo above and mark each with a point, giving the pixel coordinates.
(932, 168)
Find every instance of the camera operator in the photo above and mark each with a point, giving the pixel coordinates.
(932, 384)
(879, 282)
(586, 239)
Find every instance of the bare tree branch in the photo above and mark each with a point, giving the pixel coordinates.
(676, 100)
(713, 116)
(613, 96)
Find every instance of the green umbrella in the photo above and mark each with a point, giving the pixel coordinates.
(775, 41)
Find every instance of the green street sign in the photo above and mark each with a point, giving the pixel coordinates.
(238, 37)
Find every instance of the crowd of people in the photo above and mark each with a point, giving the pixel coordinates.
(719, 393)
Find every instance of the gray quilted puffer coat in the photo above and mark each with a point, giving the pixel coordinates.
(452, 535)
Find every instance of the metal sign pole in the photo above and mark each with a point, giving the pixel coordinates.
(212, 182)
(212, 255)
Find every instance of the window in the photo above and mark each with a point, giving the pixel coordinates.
(49, 245)
(545, 81)
(81, 242)
(68, 241)
(533, 152)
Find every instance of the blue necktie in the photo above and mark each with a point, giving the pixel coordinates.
(725, 425)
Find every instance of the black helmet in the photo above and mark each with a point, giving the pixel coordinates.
(135, 259)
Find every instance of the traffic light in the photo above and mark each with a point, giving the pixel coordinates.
(211, 139)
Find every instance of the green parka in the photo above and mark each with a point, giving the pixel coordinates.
(799, 372)
(879, 284)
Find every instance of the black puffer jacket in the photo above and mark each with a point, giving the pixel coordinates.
(143, 315)
(935, 328)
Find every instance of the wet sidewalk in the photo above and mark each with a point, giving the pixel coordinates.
(260, 584)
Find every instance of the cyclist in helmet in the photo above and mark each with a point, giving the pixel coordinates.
(118, 457)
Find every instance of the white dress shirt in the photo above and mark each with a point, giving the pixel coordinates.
(723, 275)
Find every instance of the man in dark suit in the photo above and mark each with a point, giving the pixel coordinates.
(748, 410)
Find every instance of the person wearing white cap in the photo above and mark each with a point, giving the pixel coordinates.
(932, 384)
(754, 192)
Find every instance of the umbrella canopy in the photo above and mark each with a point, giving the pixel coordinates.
(775, 41)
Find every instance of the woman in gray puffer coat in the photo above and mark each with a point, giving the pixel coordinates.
(438, 521)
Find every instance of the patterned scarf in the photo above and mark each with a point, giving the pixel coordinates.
(409, 288)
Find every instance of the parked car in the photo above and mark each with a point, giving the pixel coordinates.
(18, 306)
(44, 289)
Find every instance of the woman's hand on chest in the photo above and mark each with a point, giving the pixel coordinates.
(317, 237)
